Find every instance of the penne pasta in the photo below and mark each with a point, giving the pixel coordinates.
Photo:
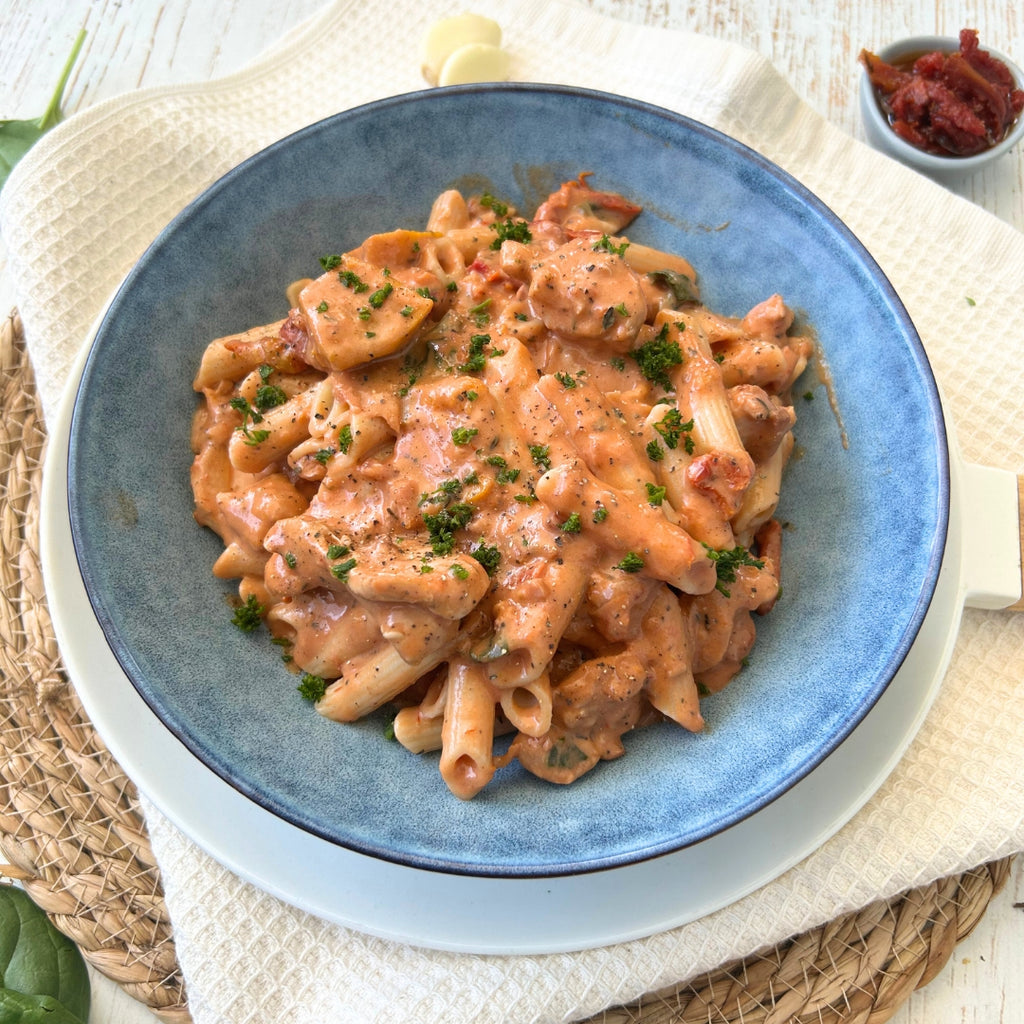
(267, 437)
(527, 706)
(467, 731)
(370, 680)
(417, 732)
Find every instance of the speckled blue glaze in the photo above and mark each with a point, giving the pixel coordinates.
(868, 521)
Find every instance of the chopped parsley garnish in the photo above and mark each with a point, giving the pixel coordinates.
(249, 615)
(504, 474)
(249, 415)
(444, 524)
(573, 524)
(727, 561)
(566, 380)
(488, 556)
(342, 569)
(525, 499)
(270, 395)
(479, 312)
(541, 455)
(443, 493)
(377, 298)
(617, 363)
(657, 356)
(338, 550)
(608, 245)
(477, 359)
(488, 202)
(352, 280)
(312, 687)
(331, 262)
(510, 230)
(345, 439)
(460, 572)
(406, 311)
(632, 562)
(655, 494)
(424, 292)
(290, 560)
(463, 435)
(679, 284)
(672, 428)
(323, 456)
(655, 452)
(600, 514)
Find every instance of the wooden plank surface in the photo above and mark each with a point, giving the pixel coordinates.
(140, 43)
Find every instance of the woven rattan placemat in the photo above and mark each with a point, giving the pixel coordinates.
(72, 833)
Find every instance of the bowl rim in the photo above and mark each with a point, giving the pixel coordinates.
(947, 164)
(896, 657)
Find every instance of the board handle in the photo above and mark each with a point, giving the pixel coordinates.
(992, 537)
(1018, 606)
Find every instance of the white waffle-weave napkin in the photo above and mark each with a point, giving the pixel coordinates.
(83, 205)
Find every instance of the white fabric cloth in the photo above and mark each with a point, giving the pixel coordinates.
(85, 202)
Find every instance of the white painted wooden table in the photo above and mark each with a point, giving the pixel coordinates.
(814, 43)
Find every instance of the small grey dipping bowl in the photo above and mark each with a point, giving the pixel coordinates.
(945, 169)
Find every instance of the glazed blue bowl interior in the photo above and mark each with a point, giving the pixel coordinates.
(866, 520)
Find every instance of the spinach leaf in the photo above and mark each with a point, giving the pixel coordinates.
(680, 285)
(38, 960)
(18, 137)
(18, 1008)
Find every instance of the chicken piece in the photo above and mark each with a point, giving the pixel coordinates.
(356, 313)
(762, 420)
(587, 293)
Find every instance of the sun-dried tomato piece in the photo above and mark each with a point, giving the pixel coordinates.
(958, 103)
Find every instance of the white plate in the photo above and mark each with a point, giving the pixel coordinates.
(456, 912)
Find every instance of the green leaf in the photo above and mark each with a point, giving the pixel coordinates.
(18, 137)
(18, 1008)
(38, 960)
(679, 284)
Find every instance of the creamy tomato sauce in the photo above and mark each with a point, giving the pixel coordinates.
(506, 475)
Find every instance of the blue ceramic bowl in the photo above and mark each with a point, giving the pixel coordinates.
(868, 519)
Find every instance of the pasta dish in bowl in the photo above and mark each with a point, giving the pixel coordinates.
(507, 473)
(422, 439)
